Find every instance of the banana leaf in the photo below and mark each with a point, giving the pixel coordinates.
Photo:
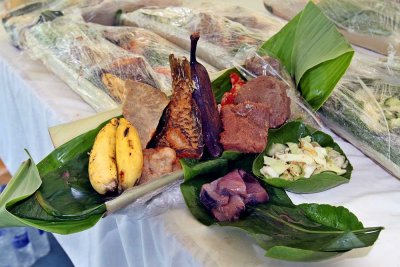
(311, 49)
(56, 196)
(292, 132)
(306, 232)
(314, 53)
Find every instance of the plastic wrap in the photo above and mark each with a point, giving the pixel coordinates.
(371, 24)
(154, 203)
(17, 21)
(364, 108)
(264, 24)
(152, 47)
(91, 65)
(104, 13)
(220, 37)
(252, 64)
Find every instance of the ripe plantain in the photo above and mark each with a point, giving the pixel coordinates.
(129, 155)
(102, 164)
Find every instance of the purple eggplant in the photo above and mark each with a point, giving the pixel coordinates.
(204, 97)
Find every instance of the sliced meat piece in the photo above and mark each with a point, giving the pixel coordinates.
(158, 162)
(210, 198)
(245, 127)
(230, 211)
(143, 108)
(256, 194)
(231, 184)
(271, 92)
(182, 131)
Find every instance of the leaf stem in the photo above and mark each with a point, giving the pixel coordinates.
(134, 193)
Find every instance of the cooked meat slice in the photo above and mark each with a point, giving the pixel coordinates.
(256, 194)
(143, 107)
(158, 162)
(231, 184)
(230, 211)
(182, 131)
(209, 196)
(271, 92)
(245, 127)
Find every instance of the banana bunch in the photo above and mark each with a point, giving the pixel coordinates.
(116, 159)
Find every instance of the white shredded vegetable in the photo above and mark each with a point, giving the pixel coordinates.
(291, 161)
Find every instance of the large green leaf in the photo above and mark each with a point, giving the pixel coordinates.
(286, 231)
(59, 198)
(229, 160)
(314, 53)
(292, 132)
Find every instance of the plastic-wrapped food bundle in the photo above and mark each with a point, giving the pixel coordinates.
(252, 64)
(104, 13)
(371, 24)
(221, 37)
(263, 23)
(92, 66)
(17, 21)
(365, 109)
(152, 47)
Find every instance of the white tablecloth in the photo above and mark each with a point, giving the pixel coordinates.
(32, 99)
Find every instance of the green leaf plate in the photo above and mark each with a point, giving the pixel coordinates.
(292, 132)
(306, 232)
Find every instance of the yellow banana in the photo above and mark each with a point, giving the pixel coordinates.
(129, 155)
(102, 165)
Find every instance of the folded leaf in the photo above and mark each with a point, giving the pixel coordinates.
(314, 53)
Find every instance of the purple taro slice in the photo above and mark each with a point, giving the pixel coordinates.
(256, 194)
(232, 184)
(230, 211)
(210, 198)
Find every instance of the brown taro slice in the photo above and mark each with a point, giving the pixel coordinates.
(230, 211)
(269, 91)
(245, 127)
(143, 108)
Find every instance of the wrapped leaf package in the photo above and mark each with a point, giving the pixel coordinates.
(370, 24)
(264, 24)
(152, 47)
(17, 21)
(364, 109)
(221, 37)
(104, 12)
(92, 66)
